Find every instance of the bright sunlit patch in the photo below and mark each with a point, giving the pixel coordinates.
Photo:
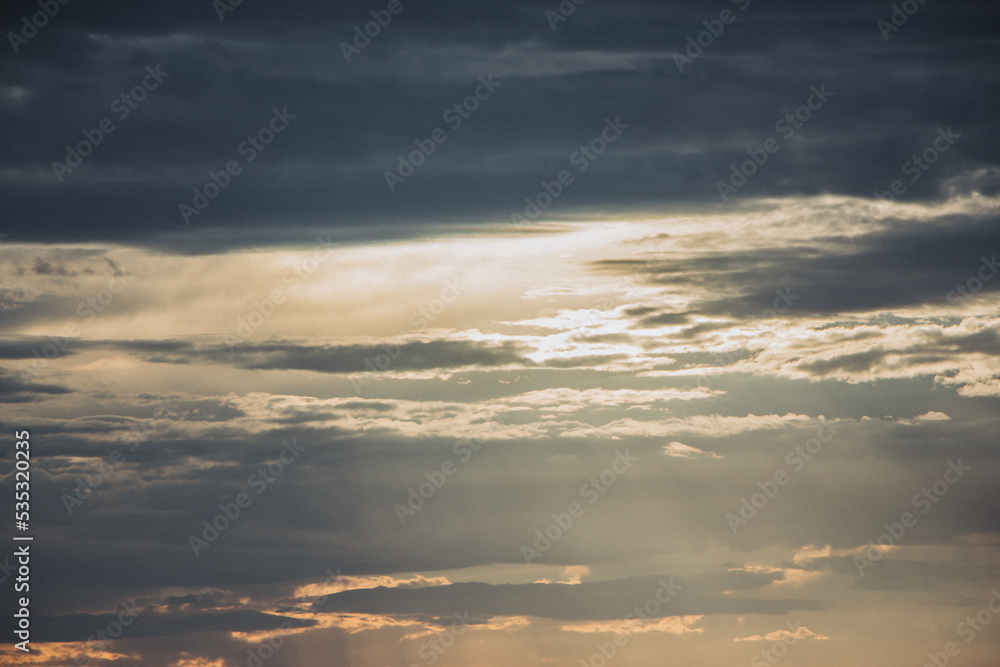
(680, 450)
(59, 653)
(199, 662)
(801, 633)
(349, 583)
(676, 625)
(932, 416)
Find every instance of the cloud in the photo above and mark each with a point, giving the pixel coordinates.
(79, 627)
(781, 635)
(680, 450)
(594, 601)
(557, 89)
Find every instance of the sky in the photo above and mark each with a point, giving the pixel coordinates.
(409, 333)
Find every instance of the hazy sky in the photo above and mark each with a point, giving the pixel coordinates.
(420, 333)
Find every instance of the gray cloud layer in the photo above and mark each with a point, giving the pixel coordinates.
(557, 88)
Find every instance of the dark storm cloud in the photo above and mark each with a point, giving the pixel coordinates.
(586, 361)
(25, 347)
(414, 355)
(909, 264)
(17, 390)
(78, 627)
(587, 601)
(342, 491)
(556, 90)
(344, 488)
(350, 359)
(417, 355)
(903, 575)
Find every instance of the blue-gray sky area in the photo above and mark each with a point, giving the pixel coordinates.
(410, 333)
